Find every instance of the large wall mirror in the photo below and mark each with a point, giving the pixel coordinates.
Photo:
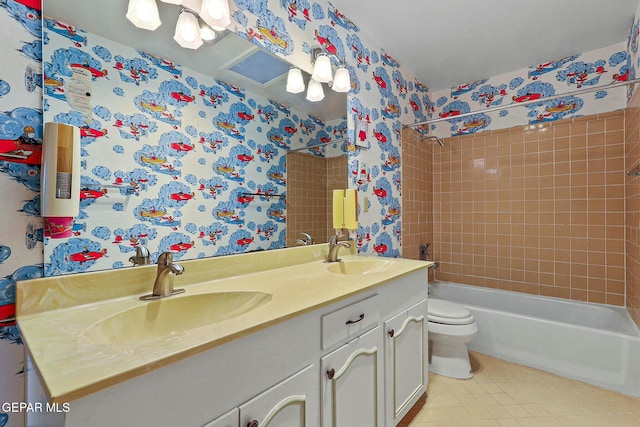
(184, 150)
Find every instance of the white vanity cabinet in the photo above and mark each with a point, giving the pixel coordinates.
(292, 403)
(406, 360)
(351, 384)
(331, 365)
(230, 419)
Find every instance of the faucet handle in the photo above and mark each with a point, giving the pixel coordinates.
(165, 258)
(142, 256)
(335, 238)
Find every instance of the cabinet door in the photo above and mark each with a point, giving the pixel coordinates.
(292, 403)
(230, 419)
(406, 359)
(352, 383)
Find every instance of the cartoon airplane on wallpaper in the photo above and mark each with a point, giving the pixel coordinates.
(24, 149)
(7, 314)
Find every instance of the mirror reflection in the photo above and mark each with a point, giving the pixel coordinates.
(179, 150)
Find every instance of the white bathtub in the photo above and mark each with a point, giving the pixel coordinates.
(595, 343)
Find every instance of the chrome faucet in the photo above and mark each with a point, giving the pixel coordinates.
(334, 246)
(305, 240)
(142, 256)
(167, 270)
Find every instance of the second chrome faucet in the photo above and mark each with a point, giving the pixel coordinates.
(167, 270)
(334, 246)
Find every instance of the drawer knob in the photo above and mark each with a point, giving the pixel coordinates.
(391, 333)
(253, 423)
(331, 373)
(351, 322)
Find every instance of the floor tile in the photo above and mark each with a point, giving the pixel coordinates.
(503, 394)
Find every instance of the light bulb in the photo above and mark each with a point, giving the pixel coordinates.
(322, 69)
(143, 14)
(206, 32)
(188, 30)
(315, 92)
(215, 9)
(295, 83)
(215, 13)
(342, 80)
(144, 11)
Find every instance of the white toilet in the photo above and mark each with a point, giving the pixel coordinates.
(451, 326)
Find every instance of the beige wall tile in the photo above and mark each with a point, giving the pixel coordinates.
(546, 219)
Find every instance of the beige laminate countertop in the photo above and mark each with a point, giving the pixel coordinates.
(55, 313)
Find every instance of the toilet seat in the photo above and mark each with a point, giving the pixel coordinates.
(448, 313)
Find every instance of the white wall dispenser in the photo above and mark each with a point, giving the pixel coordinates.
(60, 179)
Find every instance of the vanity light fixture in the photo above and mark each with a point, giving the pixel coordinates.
(341, 80)
(215, 13)
(322, 69)
(315, 92)
(322, 73)
(295, 82)
(144, 14)
(207, 34)
(197, 22)
(188, 30)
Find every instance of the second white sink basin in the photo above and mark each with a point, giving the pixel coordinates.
(164, 318)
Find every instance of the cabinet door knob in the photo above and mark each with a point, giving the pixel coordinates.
(391, 333)
(253, 423)
(331, 373)
(351, 322)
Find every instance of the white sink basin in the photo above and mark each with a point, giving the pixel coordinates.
(360, 266)
(164, 318)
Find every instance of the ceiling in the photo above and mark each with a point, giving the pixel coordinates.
(442, 43)
(107, 19)
(448, 43)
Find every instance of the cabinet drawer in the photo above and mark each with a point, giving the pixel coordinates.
(349, 321)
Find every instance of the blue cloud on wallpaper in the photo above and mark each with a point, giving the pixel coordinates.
(330, 41)
(298, 11)
(582, 74)
(32, 50)
(155, 104)
(5, 88)
(555, 109)
(74, 256)
(29, 18)
(134, 126)
(338, 18)
(77, 37)
(490, 95)
(169, 66)
(134, 70)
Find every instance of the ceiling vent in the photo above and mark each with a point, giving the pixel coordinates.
(259, 67)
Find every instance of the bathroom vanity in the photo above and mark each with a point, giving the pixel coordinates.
(276, 338)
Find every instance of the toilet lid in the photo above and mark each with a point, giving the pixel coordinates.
(446, 312)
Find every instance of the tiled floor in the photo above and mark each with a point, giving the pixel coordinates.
(503, 394)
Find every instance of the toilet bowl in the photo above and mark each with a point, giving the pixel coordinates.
(451, 326)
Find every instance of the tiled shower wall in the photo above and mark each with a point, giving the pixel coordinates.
(537, 209)
(632, 148)
(310, 181)
(417, 193)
